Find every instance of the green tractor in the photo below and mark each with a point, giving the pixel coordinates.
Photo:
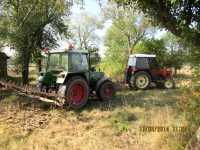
(70, 75)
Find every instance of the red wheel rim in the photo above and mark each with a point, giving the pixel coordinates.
(108, 91)
(77, 94)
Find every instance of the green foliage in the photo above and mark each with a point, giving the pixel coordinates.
(94, 56)
(28, 26)
(181, 17)
(126, 31)
(192, 110)
(196, 72)
(153, 46)
(177, 51)
(194, 55)
(189, 105)
(166, 55)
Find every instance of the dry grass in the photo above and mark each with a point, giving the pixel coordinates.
(114, 125)
(31, 124)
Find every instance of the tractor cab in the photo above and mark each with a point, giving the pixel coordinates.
(75, 61)
(69, 74)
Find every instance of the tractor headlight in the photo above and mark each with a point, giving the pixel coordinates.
(41, 76)
(61, 77)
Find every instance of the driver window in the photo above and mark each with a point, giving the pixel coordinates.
(78, 62)
(84, 62)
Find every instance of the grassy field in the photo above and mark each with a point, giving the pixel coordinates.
(139, 120)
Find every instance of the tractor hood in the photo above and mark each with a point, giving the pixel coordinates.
(52, 76)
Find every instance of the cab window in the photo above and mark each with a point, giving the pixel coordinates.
(142, 63)
(58, 62)
(78, 62)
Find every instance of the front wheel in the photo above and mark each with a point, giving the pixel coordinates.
(77, 92)
(106, 91)
(169, 84)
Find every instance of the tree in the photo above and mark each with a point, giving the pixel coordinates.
(168, 50)
(128, 24)
(126, 31)
(153, 46)
(28, 26)
(83, 29)
(177, 51)
(181, 17)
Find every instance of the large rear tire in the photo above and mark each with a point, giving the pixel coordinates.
(106, 91)
(77, 92)
(142, 80)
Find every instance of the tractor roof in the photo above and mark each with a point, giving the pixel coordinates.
(142, 55)
(68, 51)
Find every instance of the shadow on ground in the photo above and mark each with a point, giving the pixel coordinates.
(145, 99)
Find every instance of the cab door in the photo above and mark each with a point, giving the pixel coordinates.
(154, 68)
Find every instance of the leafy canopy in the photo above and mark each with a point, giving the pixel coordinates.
(28, 26)
(126, 31)
(181, 17)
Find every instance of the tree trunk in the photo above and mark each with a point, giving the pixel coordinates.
(129, 45)
(39, 65)
(25, 66)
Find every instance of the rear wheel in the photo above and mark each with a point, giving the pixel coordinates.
(77, 92)
(106, 91)
(142, 80)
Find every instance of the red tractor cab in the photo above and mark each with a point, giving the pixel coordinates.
(143, 69)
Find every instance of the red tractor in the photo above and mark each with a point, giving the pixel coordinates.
(143, 69)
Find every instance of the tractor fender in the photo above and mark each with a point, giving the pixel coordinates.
(102, 80)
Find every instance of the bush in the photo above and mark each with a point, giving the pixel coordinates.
(189, 105)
